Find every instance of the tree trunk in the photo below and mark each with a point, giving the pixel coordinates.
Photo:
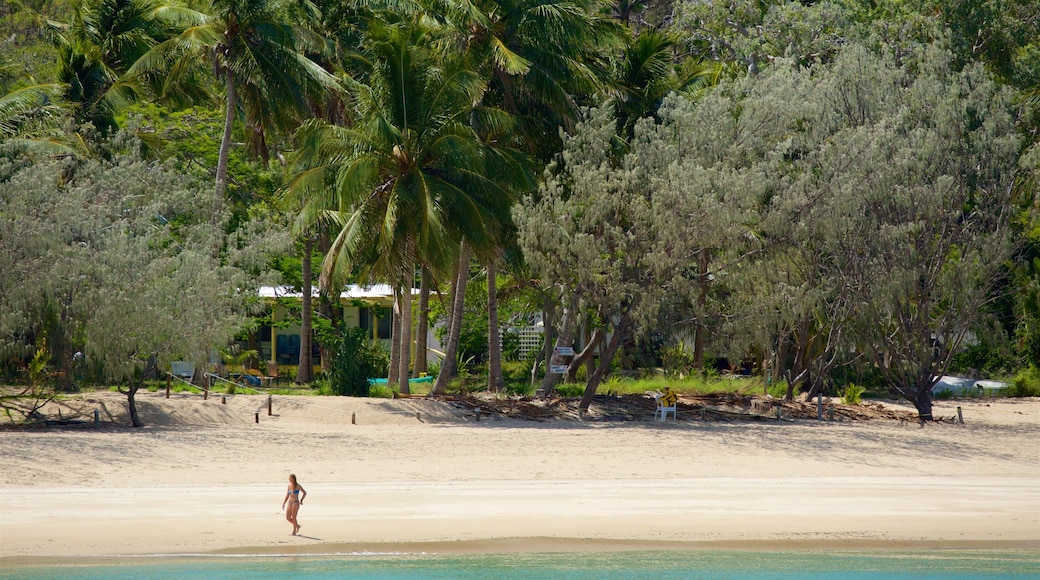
(395, 341)
(331, 312)
(543, 353)
(564, 339)
(135, 384)
(305, 370)
(584, 356)
(923, 403)
(225, 150)
(604, 363)
(702, 301)
(496, 382)
(329, 305)
(406, 329)
(458, 301)
(422, 326)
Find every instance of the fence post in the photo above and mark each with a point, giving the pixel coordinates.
(169, 379)
(97, 419)
(268, 405)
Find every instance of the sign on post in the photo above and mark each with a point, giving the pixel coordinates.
(558, 369)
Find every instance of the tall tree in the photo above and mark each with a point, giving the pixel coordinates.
(591, 232)
(116, 246)
(101, 43)
(411, 177)
(543, 59)
(258, 57)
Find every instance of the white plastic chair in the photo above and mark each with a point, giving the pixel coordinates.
(661, 414)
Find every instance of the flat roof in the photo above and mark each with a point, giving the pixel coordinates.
(351, 292)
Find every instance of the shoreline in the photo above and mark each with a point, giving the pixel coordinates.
(209, 481)
(535, 545)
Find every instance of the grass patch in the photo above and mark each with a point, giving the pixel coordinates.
(1025, 384)
(685, 386)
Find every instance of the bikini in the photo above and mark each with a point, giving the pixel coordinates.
(296, 492)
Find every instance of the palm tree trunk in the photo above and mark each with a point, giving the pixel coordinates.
(496, 382)
(305, 370)
(406, 328)
(458, 300)
(225, 149)
(422, 325)
(395, 340)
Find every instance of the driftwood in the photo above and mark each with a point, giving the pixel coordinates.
(725, 407)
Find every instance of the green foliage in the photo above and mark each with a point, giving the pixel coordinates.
(678, 360)
(380, 392)
(1026, 383)
(39, 369)
(689, 386)
(355, 360)
(510, 346)
(573, 390)
(514, 371)
(112, 248)
(191, 139)
(852, 394)
(983, 359)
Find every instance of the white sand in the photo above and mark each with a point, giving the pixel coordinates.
(205, 477)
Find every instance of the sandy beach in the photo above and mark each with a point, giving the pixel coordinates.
(419, 475)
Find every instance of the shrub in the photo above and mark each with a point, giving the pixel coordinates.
(510, 346)
(852, 394)
(678, 360)
(354, 361)
(570, 390)
(1026, 383)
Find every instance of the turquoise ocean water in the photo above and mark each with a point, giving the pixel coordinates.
(880, 565)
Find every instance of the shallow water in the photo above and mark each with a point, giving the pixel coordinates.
(654, 565)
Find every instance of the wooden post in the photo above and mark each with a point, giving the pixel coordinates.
(960, 417)
(169, 379)
(205, 394)
(778, 412)
(353, 418)
(257, 416)
(223, 400)
(478, 414)
(417, 416)
(97, 419)
(830, 413)
(819, 406)
(268, 405)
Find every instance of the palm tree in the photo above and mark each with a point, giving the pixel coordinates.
(649, 70)
(259, 59)
(29, 119)
(410, 178)
(542, 59)
(98, 46)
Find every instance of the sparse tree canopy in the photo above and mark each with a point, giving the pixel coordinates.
(118, 255)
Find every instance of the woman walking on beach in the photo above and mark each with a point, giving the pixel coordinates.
(294, 497)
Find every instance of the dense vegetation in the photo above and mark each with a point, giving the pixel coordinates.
(820, 193)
